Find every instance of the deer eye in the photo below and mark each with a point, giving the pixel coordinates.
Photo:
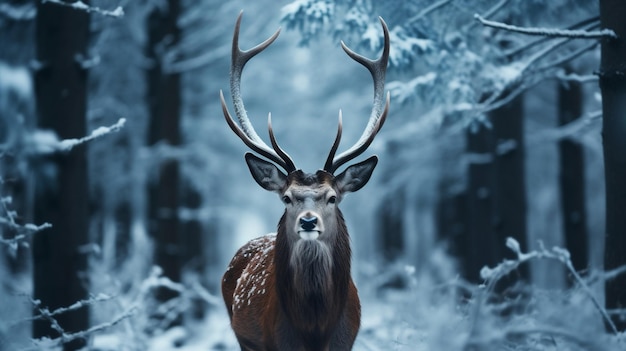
(286, 199)
(332, 199)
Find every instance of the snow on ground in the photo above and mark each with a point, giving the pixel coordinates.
(401, 311)
(428, 317)
(382, 328)
(387, 323)
(418, 318)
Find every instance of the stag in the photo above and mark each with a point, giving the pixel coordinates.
(292, 290)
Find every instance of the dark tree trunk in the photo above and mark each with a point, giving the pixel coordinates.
(572, 179)
(62, 190)
(391, 227)
(452, 221)
(510, 187)
(164, 99)
(613, 87)
(194, 245)
(481, 246)
(496, 193)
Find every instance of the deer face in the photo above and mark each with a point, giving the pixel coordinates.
(310, 200)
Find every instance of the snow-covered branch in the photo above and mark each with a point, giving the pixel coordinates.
(45, 313)
(403, 92)
(47, 142)
(586, 25)
(493, 275)
(81, 6)
(548, 32)
(49, 344)
(573, 77)
(524, 75)
(68, 144)
(7, 218)
(517, 77)
(28, 228)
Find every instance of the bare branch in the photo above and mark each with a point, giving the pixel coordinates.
(428, 10)
(202, 60)
(614, 273)
(493, 10)
(569, 57)
(549, 32)
(568, 130)
(206, 295)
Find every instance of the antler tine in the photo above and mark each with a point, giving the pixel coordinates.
(261, 148)
(378, 69)
(328, 166)
(290, 166)
(246, 132)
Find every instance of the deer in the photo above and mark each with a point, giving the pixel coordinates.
(293, 289)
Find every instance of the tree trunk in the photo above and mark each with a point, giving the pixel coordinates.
(481, 246)
(391, 227)
(613, 87)
(164, 99)
(572, 179)
(510, 187)
(452, 221)
(194, 260)
(496, 192)
(61, 94)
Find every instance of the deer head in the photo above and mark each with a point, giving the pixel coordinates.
(327, 191)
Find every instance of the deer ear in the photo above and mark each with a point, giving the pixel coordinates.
(356, 176)
(266, 174)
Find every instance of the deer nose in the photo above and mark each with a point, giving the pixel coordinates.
(308, 223)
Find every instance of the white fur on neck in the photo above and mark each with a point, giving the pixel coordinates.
(312, 263)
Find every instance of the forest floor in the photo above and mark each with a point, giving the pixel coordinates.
(403, 320)
(401, 311)
(382, 328)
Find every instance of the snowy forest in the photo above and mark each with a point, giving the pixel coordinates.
(494, 220)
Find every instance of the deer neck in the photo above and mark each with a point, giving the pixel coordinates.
(313, 277)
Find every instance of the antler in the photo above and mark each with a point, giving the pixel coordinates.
(246, 132)
(378, 115)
